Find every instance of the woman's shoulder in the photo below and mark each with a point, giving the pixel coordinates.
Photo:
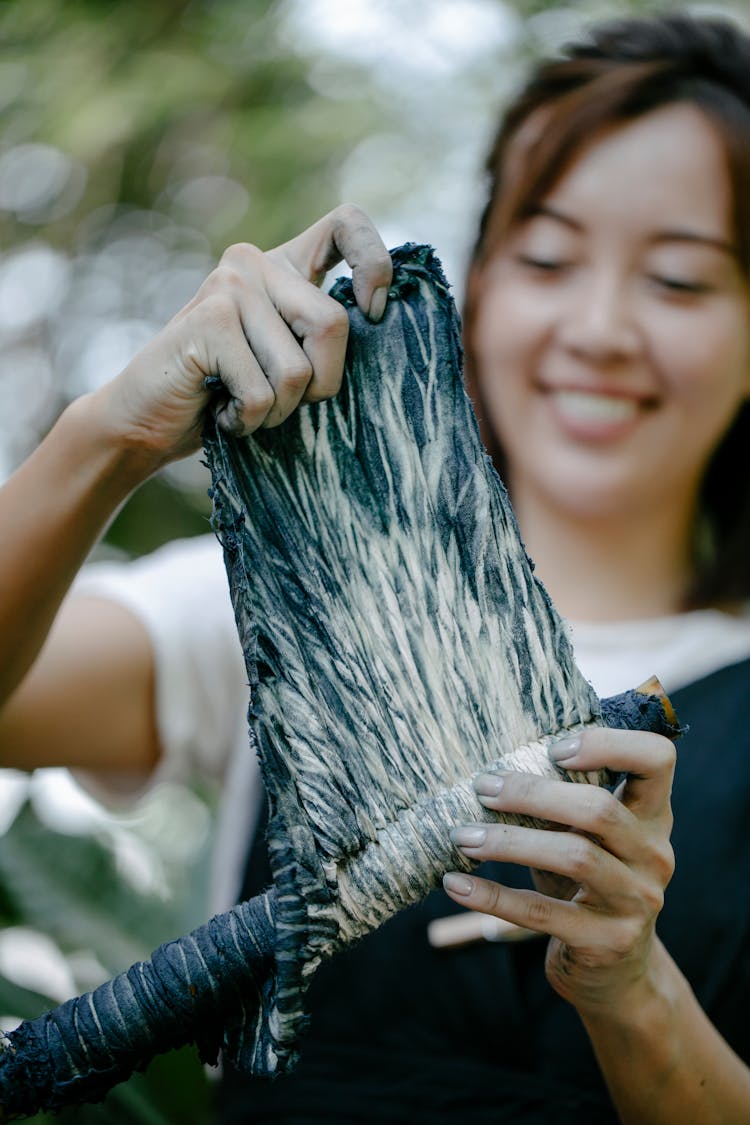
(190, 568)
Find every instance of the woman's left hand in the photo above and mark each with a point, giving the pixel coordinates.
(604, 866)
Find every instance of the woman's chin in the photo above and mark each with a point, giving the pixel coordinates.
(588, 490)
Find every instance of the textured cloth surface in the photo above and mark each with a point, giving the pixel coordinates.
(396, 639)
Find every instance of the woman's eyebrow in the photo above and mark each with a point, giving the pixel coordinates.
(695, 238)
(548, 212)
(671, 234)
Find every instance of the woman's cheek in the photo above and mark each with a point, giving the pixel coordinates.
(704, 359)
(510, 325)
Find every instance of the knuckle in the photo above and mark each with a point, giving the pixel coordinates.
(578, 855)
(262, 399)
(240, 253)
(223, 279)
(350, 215)
(625, 937)
(256, 404)
(218, 309)
(539, 911)
(668, 754)
(601, 810)
(668, 861)
(663, 863)
(653, 899)
(668, 818)
(357, 223)
(333, 321)
(295, 375)
(320, 391)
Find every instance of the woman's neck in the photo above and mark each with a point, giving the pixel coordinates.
(607, 568)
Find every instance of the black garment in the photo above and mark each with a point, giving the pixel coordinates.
(404, 1033)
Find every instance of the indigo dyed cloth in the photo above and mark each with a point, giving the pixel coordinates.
(396, 639)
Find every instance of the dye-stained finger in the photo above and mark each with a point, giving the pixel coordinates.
(345, 234)
(296, 334)
(319, 328)
(221, 349)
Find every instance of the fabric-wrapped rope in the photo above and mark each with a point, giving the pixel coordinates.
(397, 643)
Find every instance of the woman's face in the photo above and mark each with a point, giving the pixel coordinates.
(612, 337)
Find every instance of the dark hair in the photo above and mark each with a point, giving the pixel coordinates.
(624, 69)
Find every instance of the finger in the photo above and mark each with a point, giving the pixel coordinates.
(220, 348)
(314, 341)
(296, 333)
(564, 853)
(587, 808)
(345, 234)
(648, 759)
(529, 909)
(283, 361)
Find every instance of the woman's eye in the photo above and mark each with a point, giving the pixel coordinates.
(679, 284)
(544, 265)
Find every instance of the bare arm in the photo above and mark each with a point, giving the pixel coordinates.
(87, 693)
(662, 1058)
(275, 340)
(52, 511)
(88, 701)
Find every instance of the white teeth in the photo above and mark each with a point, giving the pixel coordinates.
(581, 406)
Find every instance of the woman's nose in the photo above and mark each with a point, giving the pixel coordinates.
(599, 322)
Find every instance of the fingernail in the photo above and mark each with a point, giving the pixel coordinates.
(458, 884)
(564, 748)
(488, 784)
(468, 836)
(230, 418)
(377, 304)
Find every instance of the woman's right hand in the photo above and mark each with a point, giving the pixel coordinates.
(260, 322)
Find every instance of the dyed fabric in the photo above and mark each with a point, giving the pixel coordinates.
(397, 643)
(396, 639)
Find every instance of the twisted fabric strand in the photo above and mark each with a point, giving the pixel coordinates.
(190, 991)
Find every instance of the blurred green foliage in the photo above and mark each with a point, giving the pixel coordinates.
(149, 95)
(196, 113)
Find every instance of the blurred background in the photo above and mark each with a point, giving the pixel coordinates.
(138, 138)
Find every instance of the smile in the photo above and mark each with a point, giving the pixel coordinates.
(584, 406)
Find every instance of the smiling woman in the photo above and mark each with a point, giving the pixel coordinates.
(615, 251)
(624, 354)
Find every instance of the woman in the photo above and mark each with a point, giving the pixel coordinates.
(608, 338)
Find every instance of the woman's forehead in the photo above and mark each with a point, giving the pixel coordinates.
(668, 166)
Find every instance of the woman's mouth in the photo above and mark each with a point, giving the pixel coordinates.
(594, 415)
